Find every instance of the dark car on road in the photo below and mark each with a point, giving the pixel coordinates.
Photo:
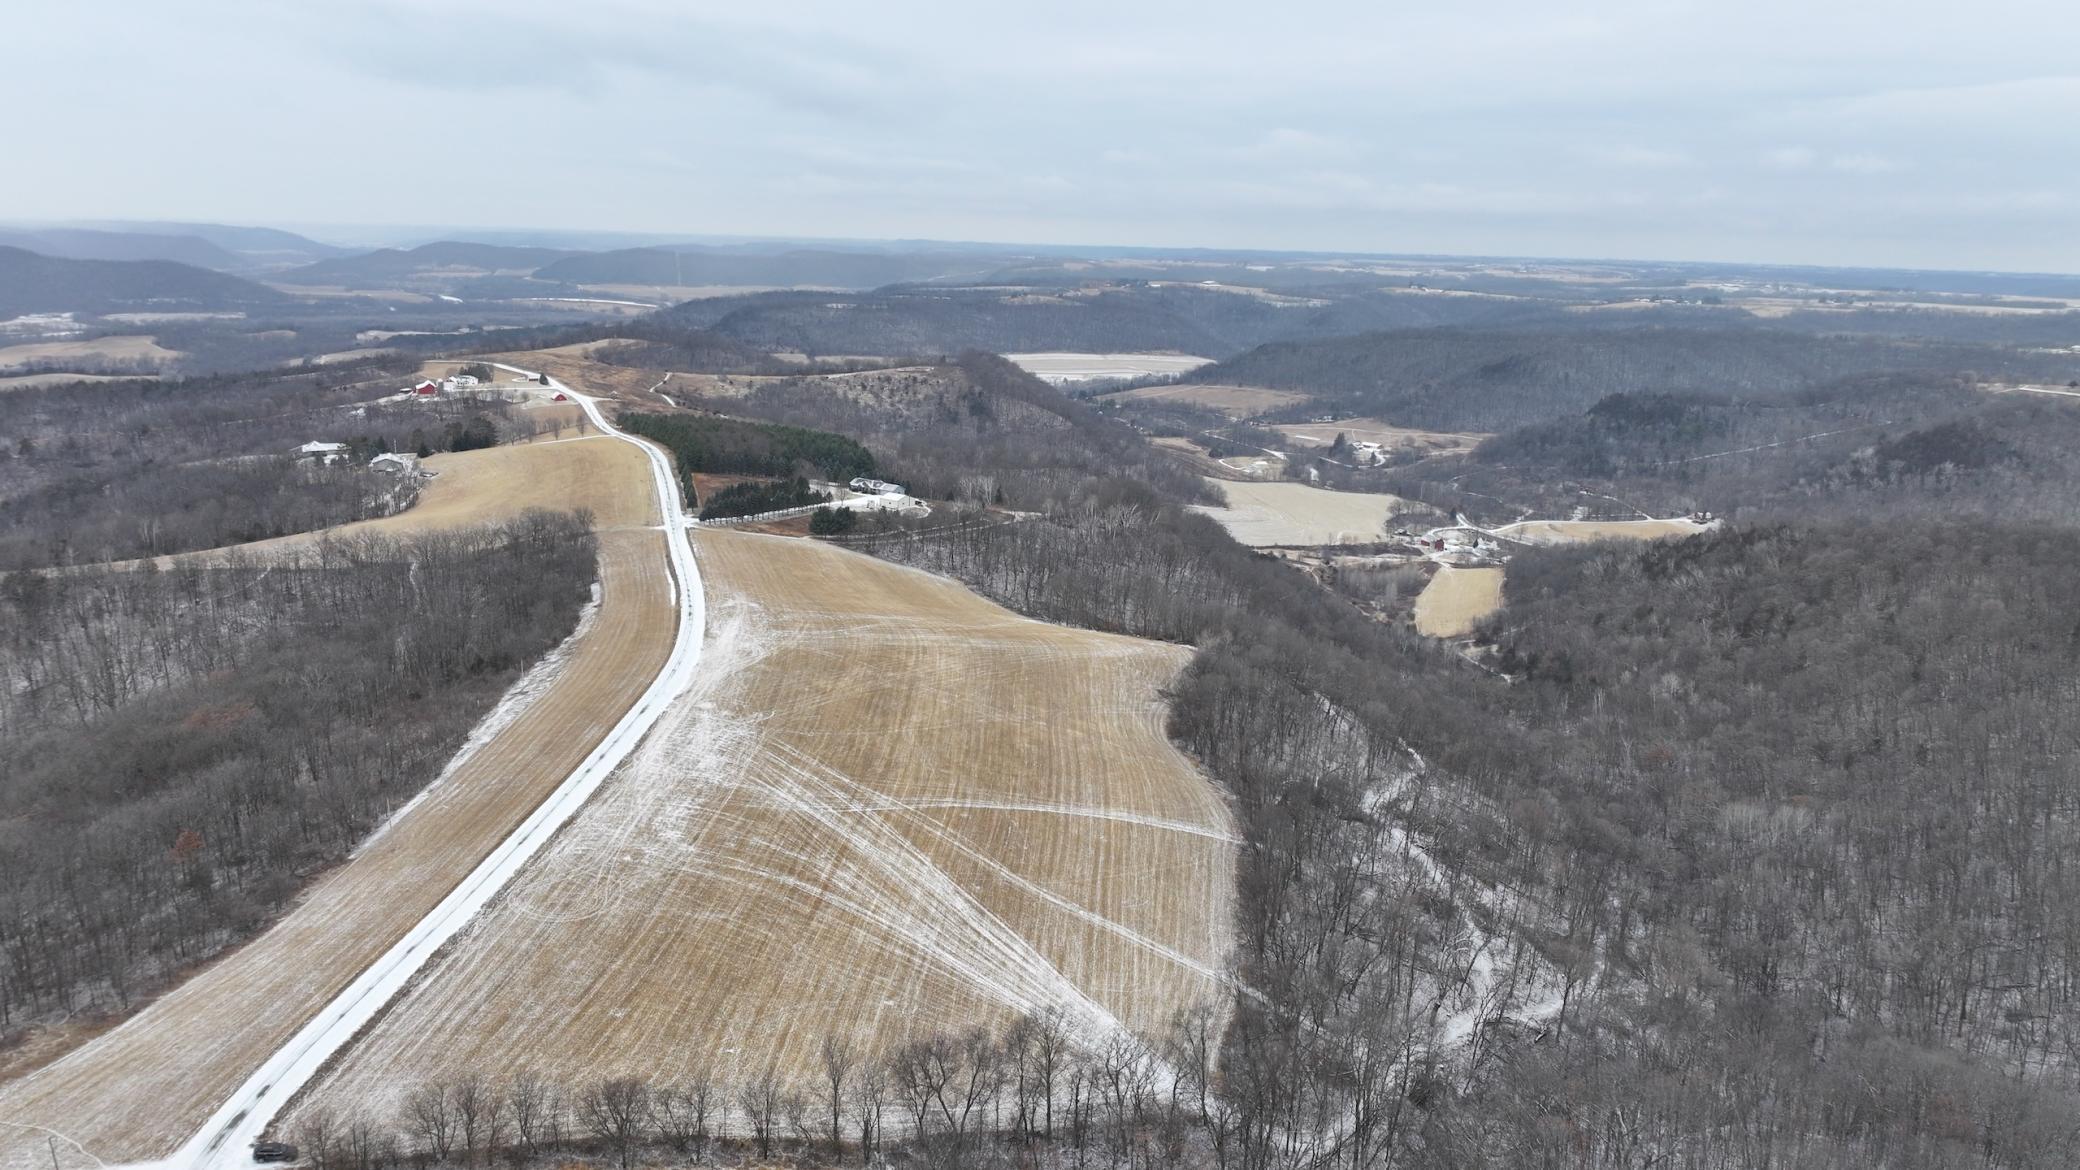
(273, 1152)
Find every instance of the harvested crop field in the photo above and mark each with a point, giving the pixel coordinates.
(489, 486)
(1372, 430)
(498, 483)
(624, 384)
(1086, 367)
(1456, 600)
(101, 349)
(1233, 401)
(140, 1090)
(1268, 514)
(560, 415)
(1580, 531)
(886, 806)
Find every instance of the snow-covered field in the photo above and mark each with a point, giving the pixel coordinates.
(1087, 367)
(101, 349)
(1578, 531)
(31, 381)
(1286, 513)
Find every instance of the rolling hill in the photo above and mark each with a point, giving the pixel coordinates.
(816, 267)
(254, 248)
(92, 244)
(445, 258)
(1493, 379)
(34, 283)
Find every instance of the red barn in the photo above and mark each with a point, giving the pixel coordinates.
(561, 398)
(427, 388)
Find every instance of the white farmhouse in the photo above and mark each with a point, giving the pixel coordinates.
(322, 452)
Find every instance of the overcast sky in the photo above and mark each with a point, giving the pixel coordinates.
(1904, 133)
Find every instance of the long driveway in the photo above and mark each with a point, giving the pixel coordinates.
(192, 1078)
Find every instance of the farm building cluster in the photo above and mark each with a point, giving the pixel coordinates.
(1367, 454)
(469, 385)
(876, 487)
(396, 463)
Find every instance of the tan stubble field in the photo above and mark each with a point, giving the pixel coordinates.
(887, 806)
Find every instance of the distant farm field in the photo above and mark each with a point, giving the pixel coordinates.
(1372, 430)
(886, 807)
(1234, 401)
(674, 293)
(126, 348)
(31, 381)
(1264, 514)
(1456, 600)
(1087, 367)
(1579, 531)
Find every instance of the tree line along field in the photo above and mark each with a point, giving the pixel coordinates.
(185, 1052)
(488, 486)
(887, 808)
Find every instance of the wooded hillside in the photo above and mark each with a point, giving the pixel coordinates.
(180, 750)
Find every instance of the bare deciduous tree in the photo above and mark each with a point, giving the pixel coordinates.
(615, 1113)
(429, 1116)
(529, 1101)
(760, 1100)
(837, 1057)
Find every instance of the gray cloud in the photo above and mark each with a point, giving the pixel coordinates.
(1908, 133)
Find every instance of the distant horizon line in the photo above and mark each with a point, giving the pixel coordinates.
(422, 234)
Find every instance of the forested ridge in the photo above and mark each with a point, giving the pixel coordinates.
(35, 283)
(181, 749)
(1896, 446)
(1493, 379)
(1758, 857)
(1113, 318)
(94, 472)
(1759, 860)
(732, 446)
